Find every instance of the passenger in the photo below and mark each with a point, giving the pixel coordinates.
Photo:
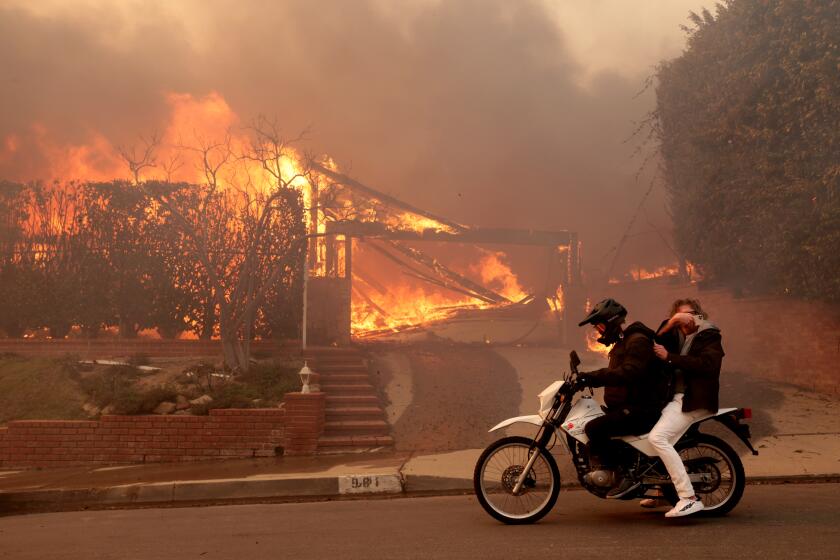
(635, 390)
(692, 349)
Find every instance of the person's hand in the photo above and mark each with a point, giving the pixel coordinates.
(679, 319)
(586, 379)
(660, 351)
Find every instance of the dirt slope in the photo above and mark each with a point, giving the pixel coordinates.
(455, 394)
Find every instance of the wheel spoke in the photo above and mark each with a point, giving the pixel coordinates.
(721, 471)
(502, 470)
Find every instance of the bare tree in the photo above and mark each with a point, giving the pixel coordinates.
(142, 158)
(245, 234)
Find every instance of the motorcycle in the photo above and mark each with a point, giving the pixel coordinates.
(517, 481)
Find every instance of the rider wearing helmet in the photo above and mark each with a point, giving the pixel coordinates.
(634, 381)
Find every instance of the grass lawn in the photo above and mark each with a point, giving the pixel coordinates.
(38, 389)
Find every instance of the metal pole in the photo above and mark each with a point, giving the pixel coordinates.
(305, 300)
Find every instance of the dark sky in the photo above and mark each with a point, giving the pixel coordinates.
(490, 112)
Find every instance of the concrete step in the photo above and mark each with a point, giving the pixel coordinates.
(353, 444)
(348, 389)
(329, 373)
(339, 368)
(351, 400)
(330, 351)
(335, 359)
(357, 427)
(344, 378)
(339, 413)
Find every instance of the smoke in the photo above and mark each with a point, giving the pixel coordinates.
(478, 110)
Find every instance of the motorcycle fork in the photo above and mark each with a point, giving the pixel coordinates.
(540, 441)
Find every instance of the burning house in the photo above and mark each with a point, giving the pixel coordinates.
(379, 266)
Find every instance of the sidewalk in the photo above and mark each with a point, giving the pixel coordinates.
(783, 458)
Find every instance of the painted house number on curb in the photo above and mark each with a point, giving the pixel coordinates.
(369, 484)
(364, 482)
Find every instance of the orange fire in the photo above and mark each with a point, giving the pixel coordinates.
(406, 306)
(405, 302)
(413, 222)
(205, 130)
(593, 345)
(498, 275)
(636, 274)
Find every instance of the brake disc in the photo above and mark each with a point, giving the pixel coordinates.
(511, 475)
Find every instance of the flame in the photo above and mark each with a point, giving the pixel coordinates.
(407, 302)
(593, 345)
(636, 274)
(498, 275)
(192, 121)
(556, 302)
(93, 160)
(207, 123)
(414, 222)
(407, 306)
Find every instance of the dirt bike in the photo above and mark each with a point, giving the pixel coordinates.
(517, 481)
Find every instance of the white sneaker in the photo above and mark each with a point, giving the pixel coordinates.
(685, 507)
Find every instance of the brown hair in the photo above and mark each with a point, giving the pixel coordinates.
(695, 305)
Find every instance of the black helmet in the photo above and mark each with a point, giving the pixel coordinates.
(607, 311)
(610, 313)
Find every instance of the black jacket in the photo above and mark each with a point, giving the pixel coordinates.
(700, 367)
(635, 378)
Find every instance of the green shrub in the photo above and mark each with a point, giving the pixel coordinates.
(117, 386)
(266, 381)
(113, 385)
(199, 375)
(153, 396)
(748, 120)
(270, 381)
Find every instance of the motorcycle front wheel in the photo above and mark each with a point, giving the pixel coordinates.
(497, 471)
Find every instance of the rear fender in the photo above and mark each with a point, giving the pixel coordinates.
(731, 418)
(534, 419)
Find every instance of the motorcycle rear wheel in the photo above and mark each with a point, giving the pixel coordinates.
(714, 457)
(496, 472)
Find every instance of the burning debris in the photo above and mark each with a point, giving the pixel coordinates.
(395, 281)
(688, 272)
(411, 268)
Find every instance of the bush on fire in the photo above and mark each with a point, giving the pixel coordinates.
(94, 255)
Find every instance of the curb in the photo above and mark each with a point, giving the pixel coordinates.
(202, 491)
(185, 493)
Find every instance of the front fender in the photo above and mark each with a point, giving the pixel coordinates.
(534, 419)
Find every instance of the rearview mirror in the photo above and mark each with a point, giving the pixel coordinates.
(574, 361)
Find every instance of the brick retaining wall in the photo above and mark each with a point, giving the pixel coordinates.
(225, 433)
(305, 416)
(121, 347)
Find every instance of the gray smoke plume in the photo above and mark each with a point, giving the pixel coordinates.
(473, 109)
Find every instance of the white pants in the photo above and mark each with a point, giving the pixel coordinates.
(665, 434)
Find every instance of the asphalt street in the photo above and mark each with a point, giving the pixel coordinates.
(772, 522)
